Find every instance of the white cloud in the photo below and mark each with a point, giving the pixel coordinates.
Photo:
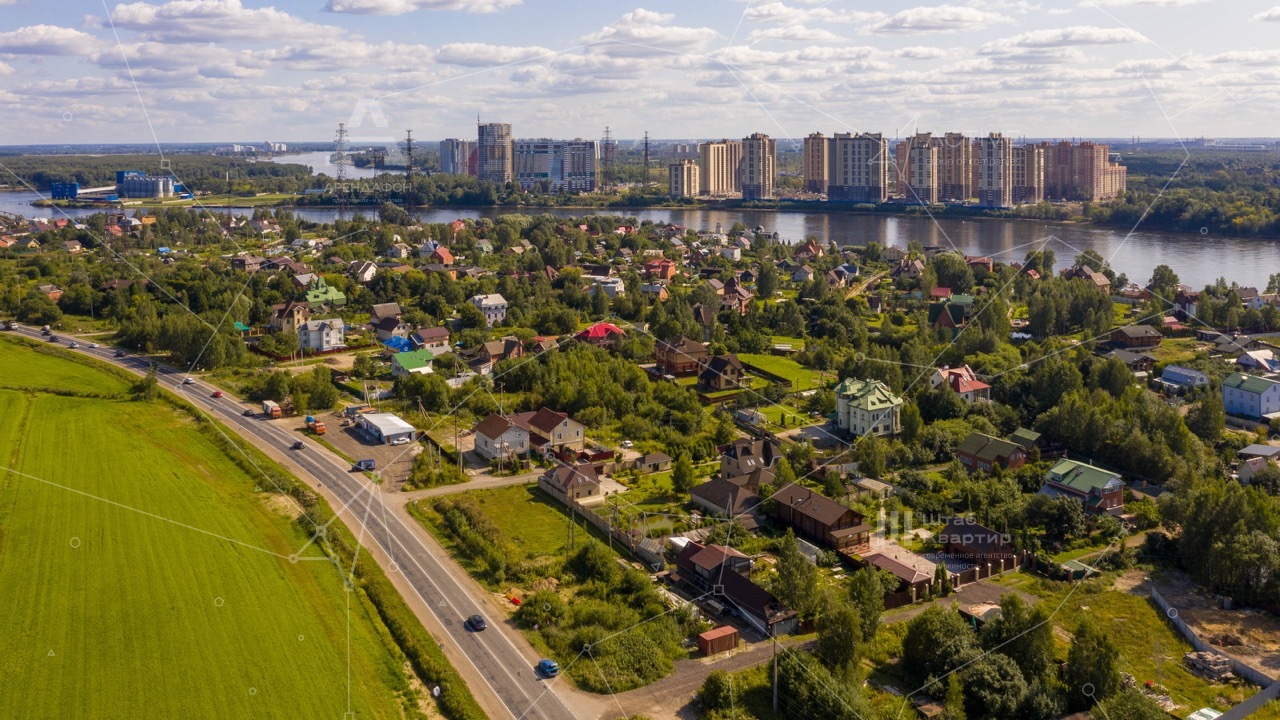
(217, 20)
(641, 33)
(1146, 3)
(1272, 15)
(942, 18)
(793, 33)
(5, 69)
(922, 52)
(1247, 57)
(485, 55)
(1062, 37)
(46, 40)
(401, 7)
(780, 12)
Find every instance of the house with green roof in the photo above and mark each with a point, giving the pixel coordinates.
(1250, 396)
(952, 313)
(981, 453)
(867, 407)
(413, 362)
(1028, 439)
(1097, 489)
(322, 294)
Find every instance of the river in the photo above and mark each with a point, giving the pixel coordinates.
(1197, 259)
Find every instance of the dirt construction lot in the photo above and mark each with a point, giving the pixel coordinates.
(1250, 635)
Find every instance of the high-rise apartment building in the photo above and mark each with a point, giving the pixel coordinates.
(683, 179)
(916, 161)
(495, 150)
(758, 167)
(455, 156)
(719, 163)
(1082, 172)
(815, 163)
(994, 164)
(955, 161)
(858, 168)
(557, 165)
(1028, 175)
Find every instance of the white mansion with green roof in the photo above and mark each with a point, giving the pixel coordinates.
(867, 407)
(1250, 396)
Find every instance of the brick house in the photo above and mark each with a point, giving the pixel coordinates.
(821, 519)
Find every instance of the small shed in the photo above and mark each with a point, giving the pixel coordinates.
(721, 639)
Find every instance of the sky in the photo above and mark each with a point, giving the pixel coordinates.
(80, 71)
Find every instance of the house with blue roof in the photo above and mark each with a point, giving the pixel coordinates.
(1178, 379)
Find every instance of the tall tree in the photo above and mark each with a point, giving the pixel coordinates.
(937, 642)
(1093, 666)
(839, 632)
(866, 590)
(797, 580)
(1024, 634)
(682, 474)
(1207, 419)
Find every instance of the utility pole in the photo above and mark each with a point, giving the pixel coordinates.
(775, 674)
(408, 170)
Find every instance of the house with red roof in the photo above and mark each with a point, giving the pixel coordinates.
(963, 380)
(660, 269)
(602, 334)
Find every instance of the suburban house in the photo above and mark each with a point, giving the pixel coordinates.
(493, 306)
(495, 351)
(363, 271)
(71, 246)
(963, 380)
(1028, 439)
(442, 255)
(322, 294)
(435, 339)
(724, 497)
(821, 519)
(399, 251)
(551, 431)
(910, 269)
(322, 335)
(722, 372)
(1097, 489)
(738, 300)
(1084, 272)
(981, 453)
(288, 317)
(1250, 396)
(660, 269)
(602, 334)
(53, 292)
(247, 263)
(382, 311)
(571, 483)
(952, 313)
(1263, 361)
(746, 455)
(391, 327)
(1177, 378)
(965, 539)
(1137, 362)
(1251, 467)
(906, 566)
(726, 573)
(680, 356)
(414, 362)
(497, 437)
(1131, 336)
(653, 462)
(867, 407)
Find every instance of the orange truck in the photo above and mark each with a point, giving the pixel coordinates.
(271, 408)
(317, 426)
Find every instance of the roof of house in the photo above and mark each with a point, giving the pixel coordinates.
(383, 310)
(1024, 437)
(682, 345)
(709, 557)
(389, 324)
(1249, 383)
(965, 531)
(985, 447)
(494, 426)
(490, 299)
(719, 365)
(963, 379)
(565, 476)
(726, 494)
(821, 508)
(413, 360)
(1080, 477)
(1256, 450)
(652, 458)
(1138, 331)
(544, 420)
(867, 394)
(1180, 375)
(432, 333)
(901, 570)
(753, 599)
(601, 331)
(754, 450)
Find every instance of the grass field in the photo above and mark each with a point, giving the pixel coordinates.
(138, 564)
(26, 368)
(801, 377)
(525, 516)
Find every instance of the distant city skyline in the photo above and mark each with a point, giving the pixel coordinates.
(177, 71)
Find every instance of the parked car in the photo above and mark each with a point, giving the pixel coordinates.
(298, 445)
(364, 465)
(476, 623)
(248, 413)
(400, 441)
(217, 393)
(548, 668)
(188, 381)
(626, 444)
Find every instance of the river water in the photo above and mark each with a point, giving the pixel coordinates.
(1197, 259)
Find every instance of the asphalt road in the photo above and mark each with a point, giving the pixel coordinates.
(441, 586)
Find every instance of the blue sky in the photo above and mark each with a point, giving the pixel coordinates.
(250, 70)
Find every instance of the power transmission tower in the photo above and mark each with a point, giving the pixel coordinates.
(646, 158)
(408, 170)
(341, 160)
(606, 152)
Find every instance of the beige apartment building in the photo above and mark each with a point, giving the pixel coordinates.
(955, 175)
(758, 167)
(720, 161)
(916, 159)
(683, 179)
(815, 163)
(858, 168)
(1028, 175)
(994, 164)
(1082, 172)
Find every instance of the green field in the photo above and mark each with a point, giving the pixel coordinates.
(525, 516)
(141, 575)
(801, 377)
(25, 367)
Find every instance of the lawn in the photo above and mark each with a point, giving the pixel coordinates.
(1176, 350)
(137, 562)
(24, 367)
(526, 517)
(801, 377)
(775, 413)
